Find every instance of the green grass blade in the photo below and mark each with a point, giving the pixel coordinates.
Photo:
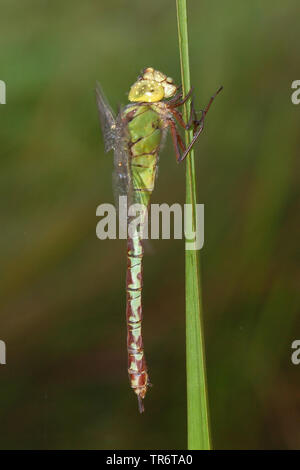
(197, 401)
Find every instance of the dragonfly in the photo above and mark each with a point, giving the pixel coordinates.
(136, 135)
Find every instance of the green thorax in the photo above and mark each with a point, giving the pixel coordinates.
(145, 133)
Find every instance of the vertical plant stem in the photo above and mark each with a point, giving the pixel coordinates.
(197, 400)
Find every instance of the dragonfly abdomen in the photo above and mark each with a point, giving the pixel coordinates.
(137, 368)
(145, 131)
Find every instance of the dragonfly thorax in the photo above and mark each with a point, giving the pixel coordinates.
(152, 86)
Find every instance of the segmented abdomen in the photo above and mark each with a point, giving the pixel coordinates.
(145, 136)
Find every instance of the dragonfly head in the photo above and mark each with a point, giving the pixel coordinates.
(152, 86)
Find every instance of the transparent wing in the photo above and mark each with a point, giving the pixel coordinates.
(107, 120)
(121, 174)
(115, 137)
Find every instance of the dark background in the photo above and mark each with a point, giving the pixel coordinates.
(62, 311)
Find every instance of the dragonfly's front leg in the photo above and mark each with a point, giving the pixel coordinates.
(193, 121)
(178, 142)
(198, 125)
(176, 139)
(178, 100)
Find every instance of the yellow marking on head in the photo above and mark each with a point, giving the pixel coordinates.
(152, 86)
(148, 91)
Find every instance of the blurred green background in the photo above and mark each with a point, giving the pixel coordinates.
(62, 311)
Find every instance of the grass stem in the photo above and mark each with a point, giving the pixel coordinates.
(197, 400)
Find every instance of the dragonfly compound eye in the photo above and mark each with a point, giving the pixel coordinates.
(148, 91)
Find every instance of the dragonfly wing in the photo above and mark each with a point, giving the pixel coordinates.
(107, 120)
(121, 175)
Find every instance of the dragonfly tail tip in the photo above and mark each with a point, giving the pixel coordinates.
(141, 404)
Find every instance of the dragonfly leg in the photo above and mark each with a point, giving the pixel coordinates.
(198, 126)
(180, 141)
(174, 135)
(174, 101)
(193, 120)
(204, 112)
(178, 116)
(175, 98)
(191, 145)
(177, 140)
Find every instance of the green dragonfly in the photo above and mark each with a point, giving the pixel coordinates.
(136, 135)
